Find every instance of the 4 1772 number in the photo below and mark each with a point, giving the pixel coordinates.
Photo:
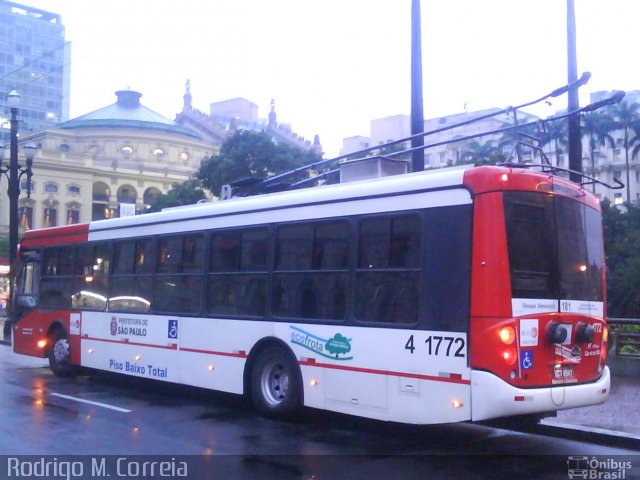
(439, 345)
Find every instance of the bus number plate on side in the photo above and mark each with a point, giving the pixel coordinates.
(439, 345)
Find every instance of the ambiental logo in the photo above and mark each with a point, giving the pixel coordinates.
(330, 348)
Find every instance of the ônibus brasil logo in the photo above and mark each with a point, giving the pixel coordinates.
(330, 348)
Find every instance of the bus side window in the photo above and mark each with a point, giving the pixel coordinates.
(388, 275)
(144, 256)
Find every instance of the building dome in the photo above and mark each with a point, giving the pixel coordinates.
(127, 112)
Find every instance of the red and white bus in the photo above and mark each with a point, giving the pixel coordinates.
(439, 296)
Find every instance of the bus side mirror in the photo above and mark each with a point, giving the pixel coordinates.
(26, 301)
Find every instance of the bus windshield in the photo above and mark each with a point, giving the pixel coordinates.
(555, 247)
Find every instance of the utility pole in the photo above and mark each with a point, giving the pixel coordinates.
(417, 115)
(575, 137)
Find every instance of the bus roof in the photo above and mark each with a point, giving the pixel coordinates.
(475, 179)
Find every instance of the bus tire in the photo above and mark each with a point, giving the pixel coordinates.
(60, 355)
(276, 383)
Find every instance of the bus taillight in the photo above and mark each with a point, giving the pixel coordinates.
(42, 343)
(507, 335)
(509, 355)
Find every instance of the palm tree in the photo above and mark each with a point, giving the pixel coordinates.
(513, 140)
(627, 119)
(556, 134)
(481, 153)
(598, 126)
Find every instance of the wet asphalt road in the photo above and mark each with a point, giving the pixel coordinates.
(41, 414)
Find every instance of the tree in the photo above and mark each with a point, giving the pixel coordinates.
(251, 154)
(598, 127)
(186, 193)
(482, 153)
(391, 149)
(622, 248)
(513, 140)
(627, 119)
(556, 134)
(338, 344)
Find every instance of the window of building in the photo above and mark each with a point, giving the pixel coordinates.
(617, 199)
(158, 152)
(50, 217)
(51, 187)
(73, 216)
(126, 150)
(73, 190)
(184, 156)
(617, 175)
(24, 185)
(63, 148)
(25, 214)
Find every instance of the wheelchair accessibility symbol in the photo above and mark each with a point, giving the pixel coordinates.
(526, 359)
(173, 329)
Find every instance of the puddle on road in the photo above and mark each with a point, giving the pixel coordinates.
(66, 412)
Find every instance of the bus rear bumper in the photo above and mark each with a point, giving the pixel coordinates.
(492, 397)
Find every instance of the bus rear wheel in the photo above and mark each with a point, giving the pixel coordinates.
(276, 383)
(60, 355)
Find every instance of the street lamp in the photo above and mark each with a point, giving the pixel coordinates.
(14, 172)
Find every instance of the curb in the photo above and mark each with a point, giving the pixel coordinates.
(595, 435)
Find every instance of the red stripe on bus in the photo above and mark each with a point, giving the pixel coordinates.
(386, 372)
(126, 341)
(76, 233)
(240, 354)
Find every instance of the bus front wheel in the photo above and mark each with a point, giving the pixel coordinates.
(60, 355)
(276, 383)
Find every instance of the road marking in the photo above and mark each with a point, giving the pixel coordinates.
(97, 404)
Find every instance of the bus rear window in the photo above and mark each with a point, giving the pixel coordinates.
(555, 247)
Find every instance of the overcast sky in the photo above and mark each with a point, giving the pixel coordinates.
(333, 65)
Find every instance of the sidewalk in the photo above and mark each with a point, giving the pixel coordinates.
(620, 413)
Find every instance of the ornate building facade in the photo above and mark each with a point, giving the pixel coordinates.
(107, 163)
(227, 116)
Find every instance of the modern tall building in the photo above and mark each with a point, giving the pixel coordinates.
(35, 61)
